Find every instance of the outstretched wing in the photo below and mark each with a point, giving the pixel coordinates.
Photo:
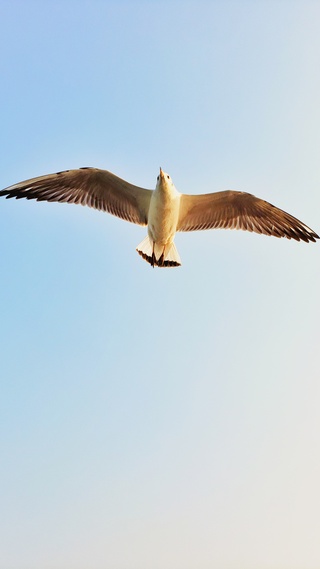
(95, 188)
(239, 210)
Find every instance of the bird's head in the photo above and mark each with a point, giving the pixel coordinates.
(164, 180)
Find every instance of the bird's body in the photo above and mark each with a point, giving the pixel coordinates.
(164, 210)
(163, 217)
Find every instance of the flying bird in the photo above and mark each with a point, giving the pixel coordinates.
(164, 210)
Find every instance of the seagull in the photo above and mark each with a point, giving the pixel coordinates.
(164, 210)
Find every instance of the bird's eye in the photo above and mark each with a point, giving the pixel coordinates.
(158, 178)
(168, 177)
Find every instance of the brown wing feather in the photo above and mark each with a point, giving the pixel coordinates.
(95, 188)
(239, 210)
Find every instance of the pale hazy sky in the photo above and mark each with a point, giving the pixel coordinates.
(155, 419)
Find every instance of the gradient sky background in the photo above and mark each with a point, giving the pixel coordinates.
(159, 418)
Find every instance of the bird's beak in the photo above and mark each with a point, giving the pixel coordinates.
(161, 173)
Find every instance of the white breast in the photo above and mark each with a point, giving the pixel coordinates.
(163, 214)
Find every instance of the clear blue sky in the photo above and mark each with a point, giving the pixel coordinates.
(159, 418)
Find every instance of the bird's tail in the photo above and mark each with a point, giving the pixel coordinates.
(155, 255)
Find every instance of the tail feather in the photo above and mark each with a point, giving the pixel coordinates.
(154, 255)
